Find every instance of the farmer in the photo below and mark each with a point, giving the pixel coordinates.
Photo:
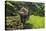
(23, 14)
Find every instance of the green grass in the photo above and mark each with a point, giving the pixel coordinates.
(36, 21)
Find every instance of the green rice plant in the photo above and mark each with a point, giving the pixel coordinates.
(36, 21)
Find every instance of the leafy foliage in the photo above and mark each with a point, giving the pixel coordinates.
(13, 7)
(13, 19)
